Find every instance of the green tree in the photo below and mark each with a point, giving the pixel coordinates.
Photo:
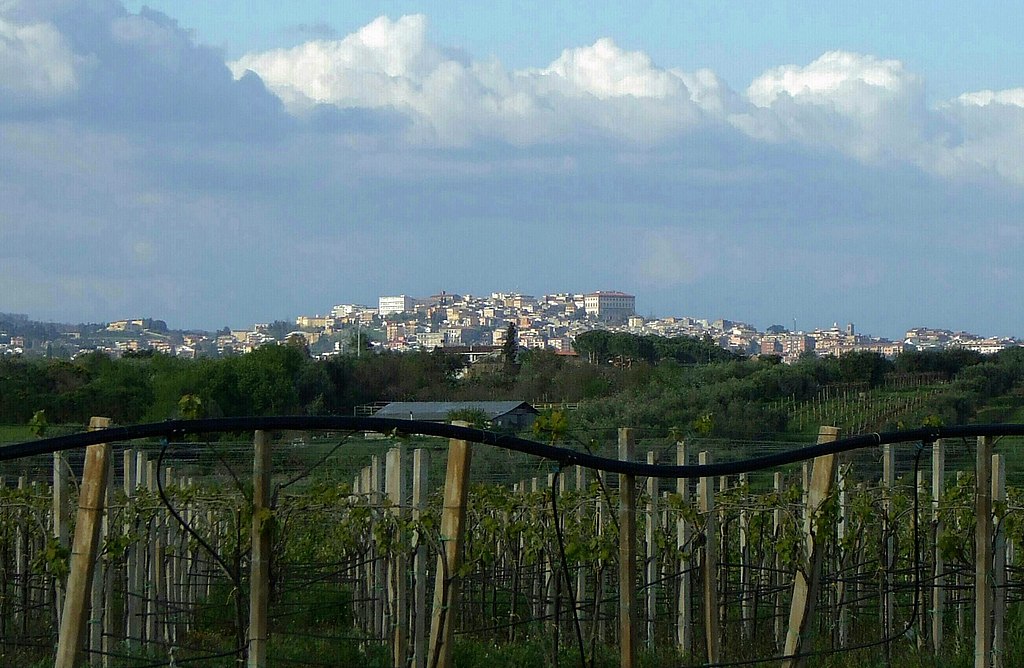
(510, 350)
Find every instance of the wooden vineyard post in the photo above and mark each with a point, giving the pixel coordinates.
(551, 579)
(780, 639)
(922, 618)
(602, 510)
(983, 555)
(961, 582)
(706, 499)
(805, 586)
(627, 553)
(84, 549)
(154, 546)
(378, 571)
(652, 551)
(420, 466)
(365, 576)
(939, 590)
(100, 623)
(580, 591)
(684, 630)
(998, 561)
(746, 593)
(259, 579)
(888, 531)
(453, 527)
(130, 612)
(843, 559)
(21, 547)
(394, 481)
(60, 523)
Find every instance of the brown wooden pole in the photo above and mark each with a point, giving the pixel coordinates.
(999, 563)
(983, 555)
(652, 572)
(453, 528)
(683, 529)
(84, 548)
(939, 573)
(60, 524)
(706, 501)
(420, 468)
(259, 581)
(627, 554)
(397, 580)
(805, 586)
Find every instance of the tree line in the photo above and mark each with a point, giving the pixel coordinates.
(656, 382)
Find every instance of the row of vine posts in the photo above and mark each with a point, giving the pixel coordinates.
(774, 570)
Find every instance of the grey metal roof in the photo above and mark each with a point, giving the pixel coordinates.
(439, 410)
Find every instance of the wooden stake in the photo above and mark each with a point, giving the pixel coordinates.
(627, 554)
(939, 590)
(805, 586)
(453, 528)
(780, 638)
(746, 596)
(60, 522)
(379, 571)
(420, 468)
(983, 555)
(889, 558)
(397, 579)
(706, 499)
(259, 579)
(652, 551)
(84, 549)
(999, 562)
(684, 630)
(845, 558)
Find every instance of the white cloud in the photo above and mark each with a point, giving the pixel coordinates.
(984, 98)
(604, 70)
(36, 63)
(863, 106)
(599, 90)
(851, 82)
(989, 129)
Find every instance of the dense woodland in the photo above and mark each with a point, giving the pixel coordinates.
(619, 379)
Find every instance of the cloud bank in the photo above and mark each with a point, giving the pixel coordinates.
(862, 106)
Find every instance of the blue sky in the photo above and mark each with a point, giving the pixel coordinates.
(957, 46)
(230, 162)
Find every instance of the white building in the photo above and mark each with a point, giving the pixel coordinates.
(609, 306)
(399, 304)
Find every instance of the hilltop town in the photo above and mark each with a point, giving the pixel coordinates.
(474, 326)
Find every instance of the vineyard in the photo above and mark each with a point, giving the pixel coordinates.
(338, 549)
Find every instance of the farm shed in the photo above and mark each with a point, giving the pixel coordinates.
(501, 414)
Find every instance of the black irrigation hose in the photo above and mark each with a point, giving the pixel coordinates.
(234, 577)
(565, 456)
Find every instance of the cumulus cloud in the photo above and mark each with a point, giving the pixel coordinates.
(989, 133)
(599, 90)
(96, 62)
(36, 64)
(852, 83)
(389, 78)
(864, 106)
(604, 70)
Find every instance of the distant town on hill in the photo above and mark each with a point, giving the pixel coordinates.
(467, 324)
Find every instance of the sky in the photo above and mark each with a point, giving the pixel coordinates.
(223, 163)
